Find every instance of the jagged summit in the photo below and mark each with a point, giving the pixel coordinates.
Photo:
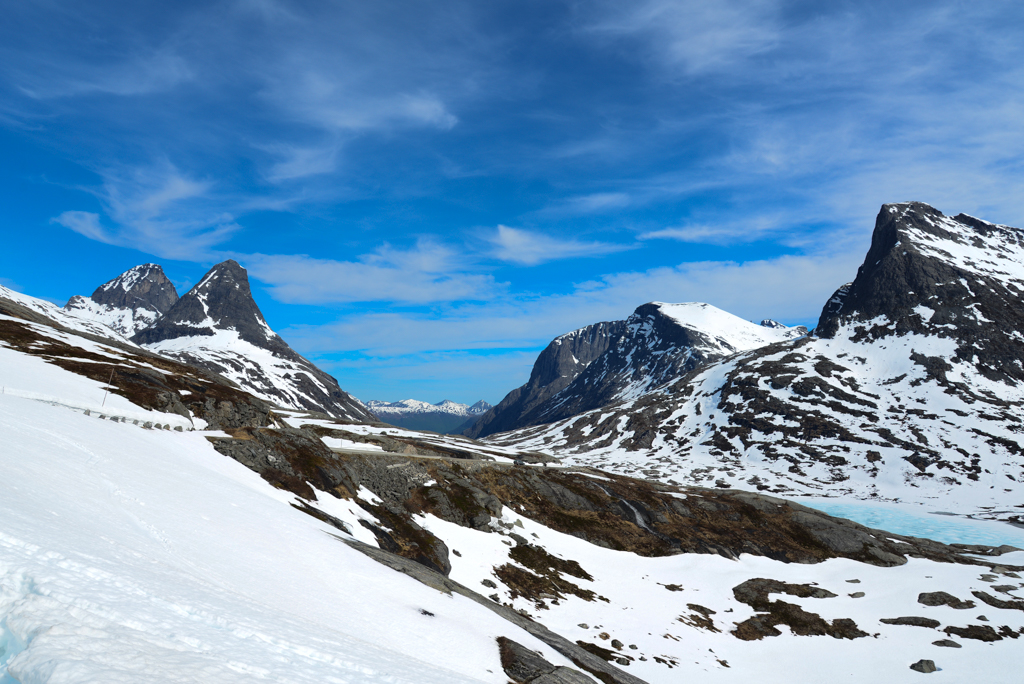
(144, 286)
(480, 407)
(218, 326)
(624, 359)
(445, 416)
(130, 302)
(956, 278)
(222, 300)
(416, 406)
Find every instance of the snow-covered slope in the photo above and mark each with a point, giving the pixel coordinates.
(130, 302)
(912, 389)
(52, 355)
(218, 326)
(131, 555)
(624, 360)
(52, 314)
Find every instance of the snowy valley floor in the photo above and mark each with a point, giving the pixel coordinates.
(133, 555)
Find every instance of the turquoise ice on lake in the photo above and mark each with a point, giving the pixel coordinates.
(916, 522)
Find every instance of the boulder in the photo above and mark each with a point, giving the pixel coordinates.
(925, 666)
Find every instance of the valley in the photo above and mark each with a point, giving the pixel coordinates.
(184, 493)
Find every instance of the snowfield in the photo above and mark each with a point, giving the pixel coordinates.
(132, 555)
(728, 332)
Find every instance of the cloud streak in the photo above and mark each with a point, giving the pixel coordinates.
(427, 274)
(158, 211)
(692, 36)
(788, 288)
(528, 248)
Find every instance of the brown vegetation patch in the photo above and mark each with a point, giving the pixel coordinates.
(407, 539)
(542, 562)
(539, 588)
(699, 618)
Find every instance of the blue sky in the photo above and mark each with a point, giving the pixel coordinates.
(425, 194)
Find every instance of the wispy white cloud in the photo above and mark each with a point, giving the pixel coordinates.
(301, 162)
(85, 223)
(594, 203)
(747, 229)
(157, 210)
(331, 101)
(691, 35)
(788, 288)
(529, 248)
(135, 74)
(425, 274)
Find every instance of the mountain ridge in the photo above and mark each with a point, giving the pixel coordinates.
(910, 389)
(624, 359)
(130, 302)
(216, 326)
(447, 417)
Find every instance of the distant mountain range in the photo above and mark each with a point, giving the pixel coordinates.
(911, 387)
(216, 326)
(446, 417)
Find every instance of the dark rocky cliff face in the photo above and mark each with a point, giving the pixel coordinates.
(557, 366)
(930, 274)
(221, 300)
(608, 362)
(910, 390)
(652, 349)
(142, 287)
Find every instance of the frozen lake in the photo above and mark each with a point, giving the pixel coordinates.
(915, 521)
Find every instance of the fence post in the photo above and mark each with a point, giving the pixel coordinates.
(103, 403)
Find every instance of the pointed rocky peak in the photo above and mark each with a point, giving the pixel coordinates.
(608, 362)
(141, 287)
(928, 275)
(130, 302)
(218, 326)
(221, 301)
(925, 270)
(480, 407)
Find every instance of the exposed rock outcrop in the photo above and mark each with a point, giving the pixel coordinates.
(130, 302)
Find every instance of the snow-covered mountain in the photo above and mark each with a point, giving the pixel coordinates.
(218, 326)
(444, 417)
(607, 363)
(130, 302)
(910, 389)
